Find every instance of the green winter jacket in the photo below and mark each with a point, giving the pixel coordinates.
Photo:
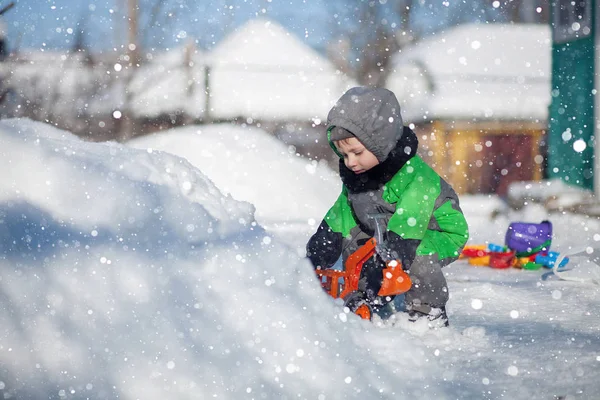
(420, 210)
(425, 209)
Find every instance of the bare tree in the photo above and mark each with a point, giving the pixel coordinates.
(156, 16)
(3, 44)
(517, 11)
(366, 36)
(131, 58)
(526, 11)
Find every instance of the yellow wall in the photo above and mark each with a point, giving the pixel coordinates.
(452, 149)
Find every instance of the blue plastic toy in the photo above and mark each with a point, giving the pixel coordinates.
(548, 259)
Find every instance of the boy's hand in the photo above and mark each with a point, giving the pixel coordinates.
(386, 253)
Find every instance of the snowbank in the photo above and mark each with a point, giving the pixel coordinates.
(128, 274)
(253, 166)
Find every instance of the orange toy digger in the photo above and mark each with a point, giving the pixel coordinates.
(345, 284)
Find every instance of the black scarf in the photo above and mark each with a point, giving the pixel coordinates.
(373, 179)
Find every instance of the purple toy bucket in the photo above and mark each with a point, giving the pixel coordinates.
(524, 237)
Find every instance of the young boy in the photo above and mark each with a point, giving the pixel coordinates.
(385, 182)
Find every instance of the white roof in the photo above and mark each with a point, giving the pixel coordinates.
(263, 71)
(264, 42)
(476, 71)
(56, 83)
(260, 71)
(173, 81)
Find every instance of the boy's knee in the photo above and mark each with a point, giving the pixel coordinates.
(429, 284)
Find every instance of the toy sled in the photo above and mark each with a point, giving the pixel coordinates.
(344, 284)
(589, 274)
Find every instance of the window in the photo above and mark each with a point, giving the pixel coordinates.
(571, 19)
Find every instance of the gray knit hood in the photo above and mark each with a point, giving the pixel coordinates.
(372, 115)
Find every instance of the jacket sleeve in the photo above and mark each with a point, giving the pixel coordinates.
(414, 193)
(324, 247)
(408, 224)
(401, 249)
(428, 218)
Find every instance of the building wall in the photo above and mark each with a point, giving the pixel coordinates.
(483, 157)
(571, 122)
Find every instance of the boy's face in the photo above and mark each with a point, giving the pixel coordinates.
(356, 156)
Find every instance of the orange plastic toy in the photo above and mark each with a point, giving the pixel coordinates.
(344, 284)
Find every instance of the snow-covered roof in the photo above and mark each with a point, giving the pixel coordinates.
(55, 83)
(263, 71)
(32, 56)
(260, 71)
(476, 71)
(172, 82)
(253, 44)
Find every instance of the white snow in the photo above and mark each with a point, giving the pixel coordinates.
(252, 165)
(173, 82)
(132, 274)
(476, 71)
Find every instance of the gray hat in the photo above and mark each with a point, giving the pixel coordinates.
(339, 133)
(370, 114)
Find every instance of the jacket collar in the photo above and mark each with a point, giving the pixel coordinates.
(376, 177)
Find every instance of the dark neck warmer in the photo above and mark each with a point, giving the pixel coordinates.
(379, 175)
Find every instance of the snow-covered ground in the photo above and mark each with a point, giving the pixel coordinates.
(135, 274)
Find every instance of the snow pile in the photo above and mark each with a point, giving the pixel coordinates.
(555, 195)
(253, 166)
(128, 274)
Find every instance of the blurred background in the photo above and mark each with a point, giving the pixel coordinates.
(497, 91)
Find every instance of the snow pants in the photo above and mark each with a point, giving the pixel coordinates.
(429, 285)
